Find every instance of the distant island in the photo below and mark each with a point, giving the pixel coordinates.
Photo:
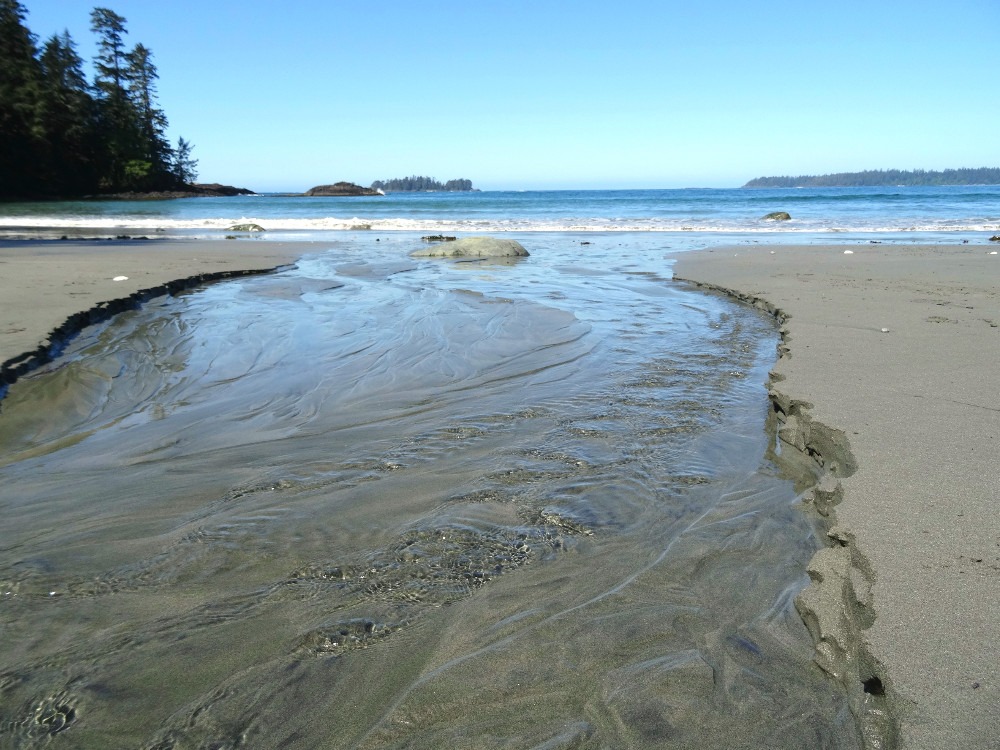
(884, 178)
(422, 185)
(340, 189)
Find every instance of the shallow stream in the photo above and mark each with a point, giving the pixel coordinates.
(379, 502)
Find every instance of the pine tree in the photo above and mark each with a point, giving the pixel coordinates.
(184, 168)
(154, 149)
(19, 83)
(110, 61)
(60, 136)
(66, 112)
(117, 121)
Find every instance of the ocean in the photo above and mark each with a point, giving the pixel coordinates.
(376, 501)
(688, 217)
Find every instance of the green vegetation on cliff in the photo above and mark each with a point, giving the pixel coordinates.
(62, 136)
(884, 177)
(416, 184)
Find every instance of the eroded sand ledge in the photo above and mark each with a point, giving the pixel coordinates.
(886, 385)
(50, 290)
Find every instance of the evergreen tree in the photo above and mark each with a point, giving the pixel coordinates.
(184, 168)
(19, 86)
(59, 136)
(66, 112)
(117, 121)
(110, 61)
(153, 148)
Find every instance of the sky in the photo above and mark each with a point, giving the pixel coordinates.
(282, 96)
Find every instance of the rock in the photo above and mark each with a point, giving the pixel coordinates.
(203, 190)
(995, 238)
(246, 228)
(215, 189)
(474, 247)
(777, 216)
(438, 238)
(339, 189)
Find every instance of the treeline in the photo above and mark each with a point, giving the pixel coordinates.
(421, 184)
(884, 177)
(62, 135)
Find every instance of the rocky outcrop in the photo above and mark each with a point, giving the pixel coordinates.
(207, 190)
(214, 189)
(777, 216)
(473, 247)
(339, 189)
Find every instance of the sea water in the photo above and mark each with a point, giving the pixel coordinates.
(690, 217)
(374, 501)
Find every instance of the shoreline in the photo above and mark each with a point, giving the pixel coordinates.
(883, 385)
(52, 289)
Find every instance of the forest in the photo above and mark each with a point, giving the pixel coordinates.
(884, 178)
(422, 185)
(63, 136)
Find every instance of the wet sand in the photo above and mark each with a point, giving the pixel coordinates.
(46, 285)
(889, 381)
(504, 506)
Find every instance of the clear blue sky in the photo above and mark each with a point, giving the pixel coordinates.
(287, 95)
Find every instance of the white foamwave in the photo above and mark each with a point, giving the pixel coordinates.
(575, 224)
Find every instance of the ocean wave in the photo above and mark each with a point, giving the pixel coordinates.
(574, 224)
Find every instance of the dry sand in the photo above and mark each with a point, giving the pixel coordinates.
(896, 351)
(44, 284)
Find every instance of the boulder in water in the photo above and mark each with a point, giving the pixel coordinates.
(778, 216)
(473, 247)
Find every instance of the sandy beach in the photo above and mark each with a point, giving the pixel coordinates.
(889, 382)
(886, 388)
(44, 284)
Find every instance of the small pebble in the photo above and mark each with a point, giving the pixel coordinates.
(120, 278)
(885, 330)
(848, 252)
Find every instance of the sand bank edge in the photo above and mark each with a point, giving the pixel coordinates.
(57, 339)
(837, 605)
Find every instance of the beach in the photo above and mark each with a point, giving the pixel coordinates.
(183, 480)
(890, 364)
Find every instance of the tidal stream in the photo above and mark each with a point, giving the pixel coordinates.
(378, 502)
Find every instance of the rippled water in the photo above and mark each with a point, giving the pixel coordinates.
(378, 502)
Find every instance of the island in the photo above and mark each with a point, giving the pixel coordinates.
(417, 184)
(884, 178)
(340, 189)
